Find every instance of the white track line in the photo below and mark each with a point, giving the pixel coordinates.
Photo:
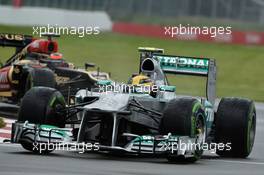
(9, 145)
(239, 162)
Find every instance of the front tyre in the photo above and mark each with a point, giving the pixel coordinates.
(41, 105)
(184, 117)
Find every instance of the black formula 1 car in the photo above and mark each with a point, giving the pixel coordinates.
(36, 62)
(124, 119)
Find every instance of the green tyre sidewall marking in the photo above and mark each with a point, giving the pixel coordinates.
(56, 97)
(250, 125)
(196, 106)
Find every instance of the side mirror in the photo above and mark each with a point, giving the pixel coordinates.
(87, 65)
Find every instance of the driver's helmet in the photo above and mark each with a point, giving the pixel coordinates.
(55, 56)
(142, 80)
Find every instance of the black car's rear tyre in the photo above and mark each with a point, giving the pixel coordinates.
(39, 77)
(184, 117)
(236, 125)
(42, 105)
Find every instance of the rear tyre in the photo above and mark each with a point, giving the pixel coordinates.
(236, 126)
(39, 77)
(184, 117)
(41, 105)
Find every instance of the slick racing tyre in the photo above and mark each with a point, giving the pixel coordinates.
(235, 125)
(184, 117)
(39, 77)
(40, 105)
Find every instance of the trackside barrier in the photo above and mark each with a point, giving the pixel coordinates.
(39, 16)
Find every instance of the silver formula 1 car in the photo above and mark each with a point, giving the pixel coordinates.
(124, 119)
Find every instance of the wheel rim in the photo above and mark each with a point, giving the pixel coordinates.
(200, 131)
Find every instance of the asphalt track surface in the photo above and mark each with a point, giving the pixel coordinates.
(14, 160)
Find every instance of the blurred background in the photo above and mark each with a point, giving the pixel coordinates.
(240, 57)
(163, 11)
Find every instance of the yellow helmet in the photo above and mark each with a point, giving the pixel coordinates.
(141, 80)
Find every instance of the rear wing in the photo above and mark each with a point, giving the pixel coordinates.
(15, 40)
(191, 66)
